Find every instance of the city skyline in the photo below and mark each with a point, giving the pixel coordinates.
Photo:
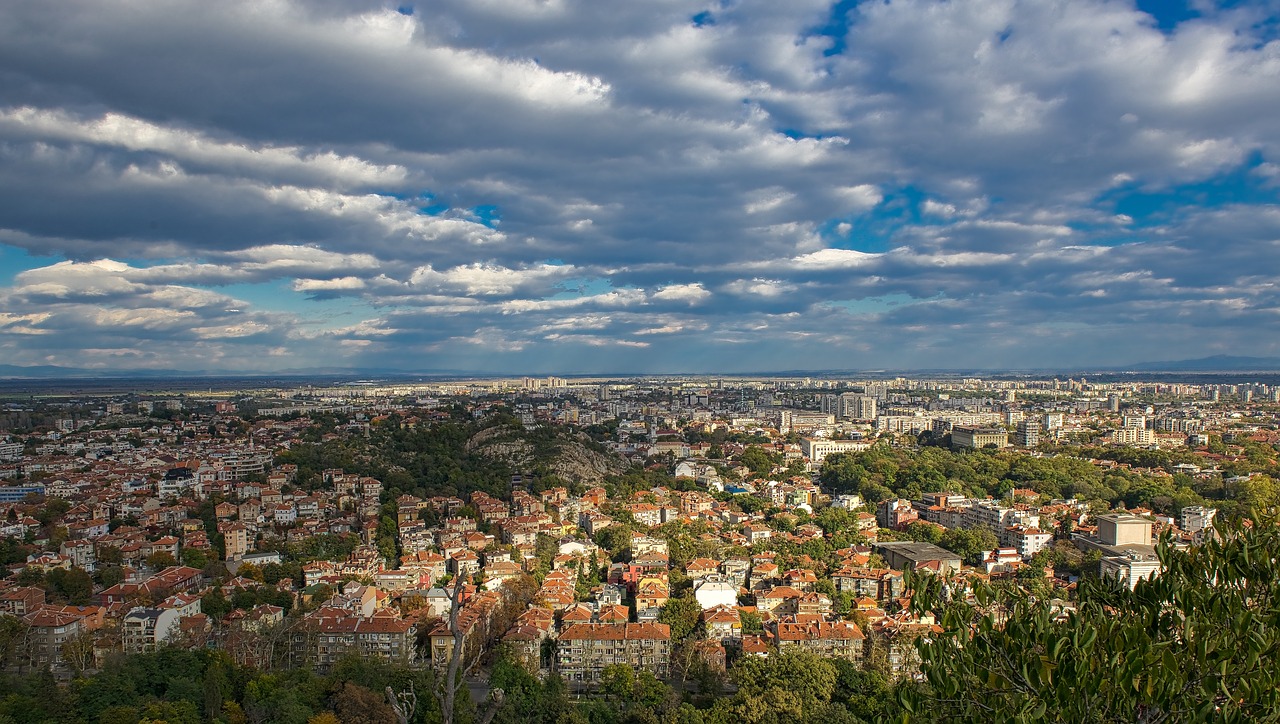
(513, 186)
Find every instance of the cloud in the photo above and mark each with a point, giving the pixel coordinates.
(689, 293)
(520, 185)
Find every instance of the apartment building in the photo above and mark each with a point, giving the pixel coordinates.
(1130, 568)
(829, 639)
(895, 514)
(48, 629)
(145, 629)
(816, 450)
(585, 649)
(329, 634)
(1196, 518)
(979, 437)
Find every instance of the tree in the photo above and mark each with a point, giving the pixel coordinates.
(1196, 643)
(464, 657)
(77, 651)
(682, 615)
(13, 640)
(194, 557)
(109, 554)
(969, 543)
(109, 576)
(74, 585)
(758, 461)
(160, 560)
(618, 681)
(842, 473)
(215, 604)
(789, 685)
(355, 704)
(751, 622)
(31, 576)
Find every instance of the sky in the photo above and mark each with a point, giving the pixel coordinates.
(574, 186)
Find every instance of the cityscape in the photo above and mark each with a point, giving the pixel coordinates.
(677, 362)
(594, 530)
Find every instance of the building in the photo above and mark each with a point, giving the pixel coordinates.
(895, 514)
(1196, 518)
(235, 540)
(849, 405)
(1131, 436)
(1028, 541)
(21, 600)
(909, 555)
(829, 639)
(978, 437)
(715, 591)
(1119, 529)
(329, 634)
(1130, 568)
(48, 630)
(146, 629)
(1028, 434)
(816, 450)
(585, 649)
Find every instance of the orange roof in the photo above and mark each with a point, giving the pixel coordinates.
(616, 632)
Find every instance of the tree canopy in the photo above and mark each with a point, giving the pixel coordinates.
(1197, 643)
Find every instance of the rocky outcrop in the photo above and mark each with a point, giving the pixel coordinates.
(566, 456)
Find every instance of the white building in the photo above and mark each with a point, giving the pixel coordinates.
(715, 591)
(816, 450)
(1196, 518)
(1130, 568)
(145, 629)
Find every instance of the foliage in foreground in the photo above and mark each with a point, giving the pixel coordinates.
(1198, 643)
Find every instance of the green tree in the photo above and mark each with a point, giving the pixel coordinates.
(108, 554)
(969, 543)
(215, 604)
(194, 557)
(842, 473)
(787, 686)
(759, 461)
(1196, 643)
(74, 585)
(618, 681)
(681, 614)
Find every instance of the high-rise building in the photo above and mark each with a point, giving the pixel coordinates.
(1028, 433)
(1134, 422)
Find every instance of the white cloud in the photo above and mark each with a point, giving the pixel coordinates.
(689, 293)
(134, 134)
(529, 176)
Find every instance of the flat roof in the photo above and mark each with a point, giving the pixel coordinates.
(914, 551)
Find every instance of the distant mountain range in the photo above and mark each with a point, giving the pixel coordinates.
(1216, 363)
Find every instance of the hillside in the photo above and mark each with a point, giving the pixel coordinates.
(571, 456)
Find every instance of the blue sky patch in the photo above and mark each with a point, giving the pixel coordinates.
(1242, 185)
(836, 26)
(577, 287)
(488, 215)
(874, 231)
(14, 261)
